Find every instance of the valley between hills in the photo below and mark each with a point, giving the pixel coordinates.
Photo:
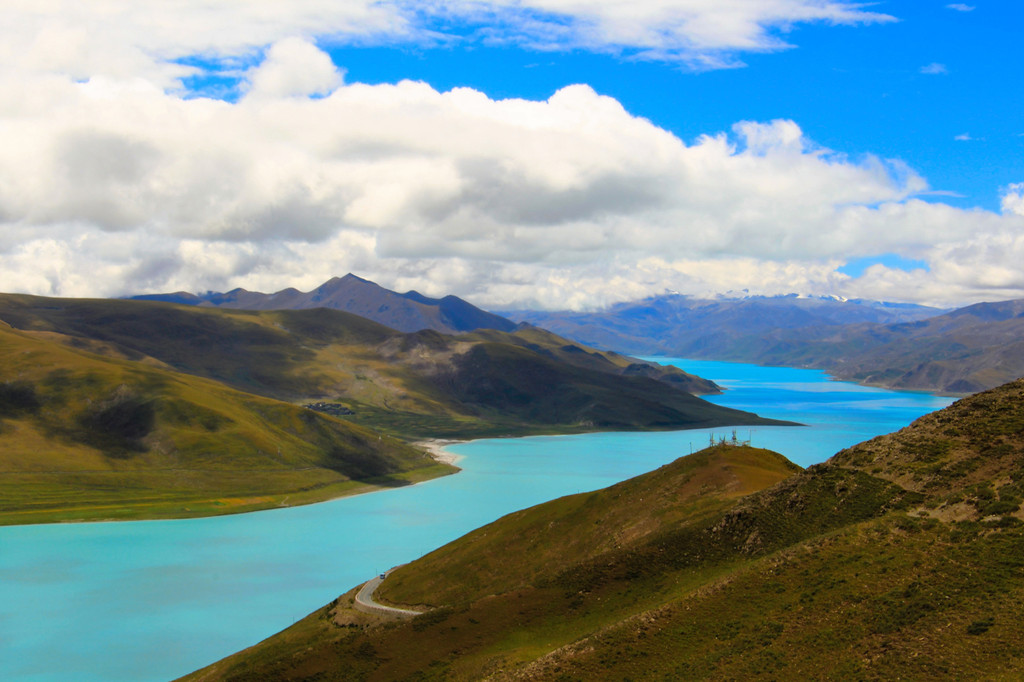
(121, 409)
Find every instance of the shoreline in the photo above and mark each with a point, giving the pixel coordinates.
(436, 448)
(433, 447)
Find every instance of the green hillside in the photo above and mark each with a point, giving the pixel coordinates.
(137, 409)
(901, 558)
(422, 384)
(85, 436)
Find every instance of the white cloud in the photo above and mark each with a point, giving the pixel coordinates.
(113, 181)
(122, 38)
(1013, 199)
(168, 41)
(701, 33)
(960, 7)
(934, 69)
(293, 67)
(115, 186)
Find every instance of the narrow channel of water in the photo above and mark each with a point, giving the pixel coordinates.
(152, 600)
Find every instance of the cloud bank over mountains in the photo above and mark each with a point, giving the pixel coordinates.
(115, 178)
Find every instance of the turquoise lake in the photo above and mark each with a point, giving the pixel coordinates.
(153, 600)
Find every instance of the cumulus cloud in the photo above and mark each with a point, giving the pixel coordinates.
(1013, 199)
(441, 191)
(113, 180)
(960, 7)
(935, 69)
(293, 67)
(123, 39)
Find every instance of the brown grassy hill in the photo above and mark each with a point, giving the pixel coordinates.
(865, 567)
(142, 409)
(968, 459)
(84, 436)
(490, 576)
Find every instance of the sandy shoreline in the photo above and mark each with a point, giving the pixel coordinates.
(436, 448)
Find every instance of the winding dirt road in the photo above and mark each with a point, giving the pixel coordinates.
(364, 600)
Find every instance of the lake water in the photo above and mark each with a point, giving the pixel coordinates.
(152, 600)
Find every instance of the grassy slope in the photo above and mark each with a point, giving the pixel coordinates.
(83, 436)
(418, 385)
(901, 557)
(513, 572)
(557, 347)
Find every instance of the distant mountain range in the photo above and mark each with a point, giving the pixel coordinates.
(684, 326)
(970, 349)
(898, 346)
(899, 558)
(408, 312)
(894, 345)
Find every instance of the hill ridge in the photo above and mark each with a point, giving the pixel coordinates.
(408, 312)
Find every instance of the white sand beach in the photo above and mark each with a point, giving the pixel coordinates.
(436, 448)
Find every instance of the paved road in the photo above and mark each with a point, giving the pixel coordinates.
(365, 603)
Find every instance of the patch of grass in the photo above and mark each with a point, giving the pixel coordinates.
(980, 627)
(18, 398)
(118, 424)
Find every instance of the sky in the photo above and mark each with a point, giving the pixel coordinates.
(518, 153)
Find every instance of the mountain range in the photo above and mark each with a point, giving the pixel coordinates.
(140, 408)
(898, 346)
(894, 345)
(967, 350)
(408, 312)
(899, 558)
(685, 326)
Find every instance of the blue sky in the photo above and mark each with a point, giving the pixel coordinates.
(550, 153)
(906, 89)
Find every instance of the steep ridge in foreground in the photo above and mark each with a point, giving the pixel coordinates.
(900, 558)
